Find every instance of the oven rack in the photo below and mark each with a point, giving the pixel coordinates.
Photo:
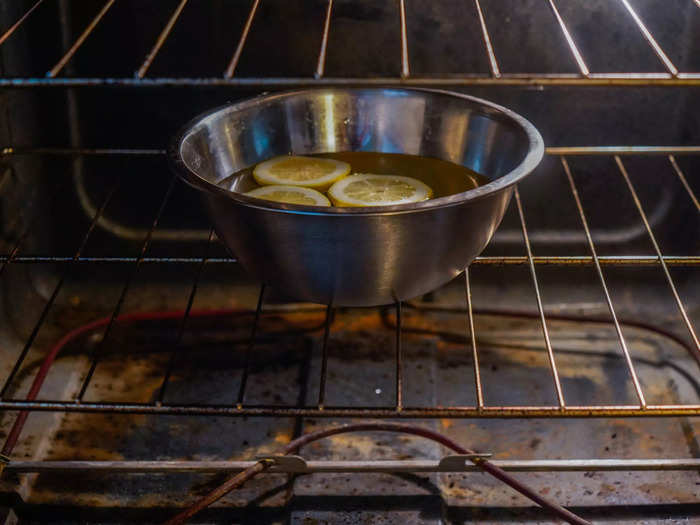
(668, 74)
(481, 409)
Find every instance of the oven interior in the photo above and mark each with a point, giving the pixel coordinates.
(568, 350)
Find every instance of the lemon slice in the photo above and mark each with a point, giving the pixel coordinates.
(310, 172)
(290, 195)
(367, 189)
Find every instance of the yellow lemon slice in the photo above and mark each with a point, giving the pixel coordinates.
(290, 195)
(310, 172)
(367, 189)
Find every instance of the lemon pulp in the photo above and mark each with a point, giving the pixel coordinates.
(290, 195)
(368, 189)
(310, 172)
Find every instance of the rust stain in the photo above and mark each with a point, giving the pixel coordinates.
(283, 438)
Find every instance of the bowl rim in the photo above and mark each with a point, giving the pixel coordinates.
(533, 157)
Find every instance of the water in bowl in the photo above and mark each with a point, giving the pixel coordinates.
(444, 177)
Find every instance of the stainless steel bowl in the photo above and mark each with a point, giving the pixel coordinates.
(357, 256)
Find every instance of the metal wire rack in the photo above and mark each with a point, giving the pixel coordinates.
(481, 409)
(63, 74)
(668, 74)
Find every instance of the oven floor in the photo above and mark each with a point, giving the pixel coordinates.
(438, 370)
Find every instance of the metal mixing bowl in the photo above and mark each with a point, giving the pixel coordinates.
(357, 256)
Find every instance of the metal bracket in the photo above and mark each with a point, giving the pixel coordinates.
(290, 463)
(458, 462)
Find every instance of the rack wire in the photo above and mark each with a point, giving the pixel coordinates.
(239, 407)
(669, 74)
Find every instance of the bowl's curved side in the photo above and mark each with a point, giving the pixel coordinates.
(358, 260)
